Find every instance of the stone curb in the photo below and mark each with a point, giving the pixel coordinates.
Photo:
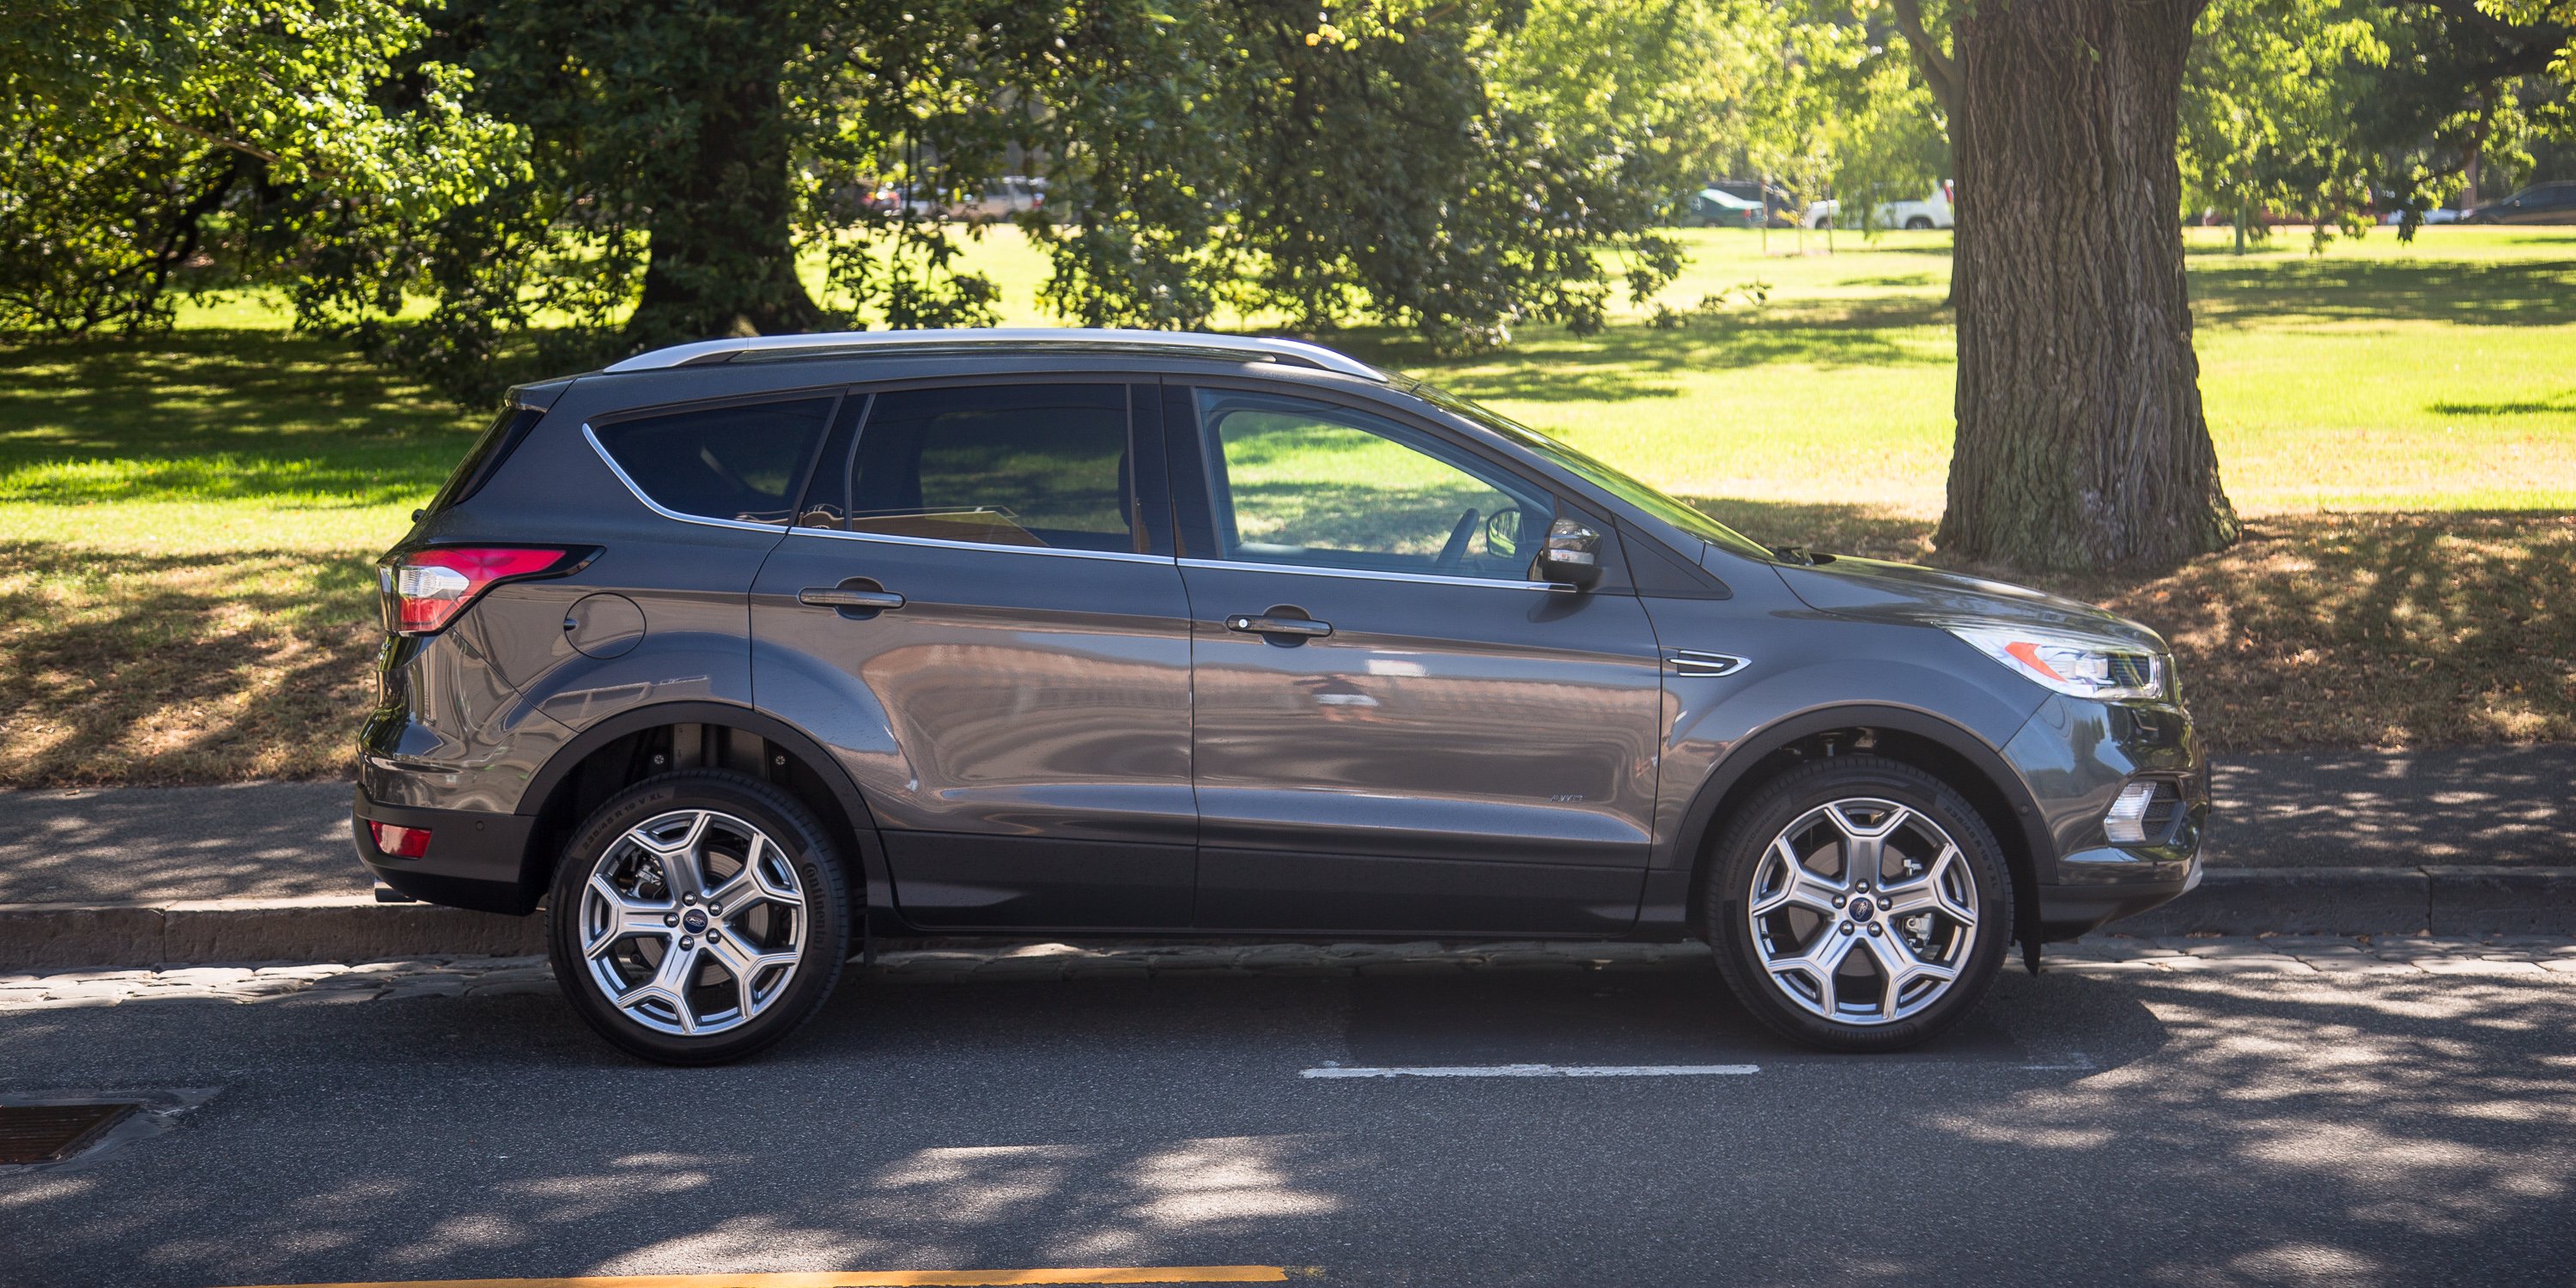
(317, 928)
(2438, 900)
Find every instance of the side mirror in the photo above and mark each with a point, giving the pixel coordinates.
(1571, 555)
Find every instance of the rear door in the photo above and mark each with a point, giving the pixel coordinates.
(1396, 730)
(978, 608)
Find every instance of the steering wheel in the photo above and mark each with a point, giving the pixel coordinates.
(1455, 553)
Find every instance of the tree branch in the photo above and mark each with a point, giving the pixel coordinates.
(1940, 71)
(168, 122)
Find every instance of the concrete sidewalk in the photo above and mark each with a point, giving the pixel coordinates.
(2459, 840)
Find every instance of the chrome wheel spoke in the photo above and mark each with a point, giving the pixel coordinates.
(746, 967)
(755, 883)
(1795, 886)
(1931, 892)
(671, 981)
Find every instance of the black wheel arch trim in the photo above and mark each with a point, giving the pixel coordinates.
(863, 825)
(1699, 822)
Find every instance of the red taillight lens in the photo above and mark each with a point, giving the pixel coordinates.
(400, 842)
(426, 589)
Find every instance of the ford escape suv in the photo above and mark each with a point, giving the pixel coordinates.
(734, 654)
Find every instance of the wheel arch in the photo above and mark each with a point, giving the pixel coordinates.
(622, 749)
(1947, 751)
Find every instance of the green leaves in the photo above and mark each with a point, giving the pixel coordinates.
(129, 128)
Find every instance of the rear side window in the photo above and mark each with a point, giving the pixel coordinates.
(484, 459)
(1007, 465)
(745, 462)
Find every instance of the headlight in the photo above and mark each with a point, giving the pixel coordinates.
(2079, 666)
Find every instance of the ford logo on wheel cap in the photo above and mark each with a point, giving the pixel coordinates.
(693, 921)
(1862, 910)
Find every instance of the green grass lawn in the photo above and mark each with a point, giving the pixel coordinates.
(186, 522)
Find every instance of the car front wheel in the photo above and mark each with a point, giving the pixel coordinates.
(699, 917)
(1859, 904)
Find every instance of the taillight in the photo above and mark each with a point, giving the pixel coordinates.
(426, 589)
(400, 842)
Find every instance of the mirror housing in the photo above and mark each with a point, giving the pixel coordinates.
(1570, 556)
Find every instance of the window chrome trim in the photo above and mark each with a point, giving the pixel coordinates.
(1366, 574)
(936, 543)
(664, 510)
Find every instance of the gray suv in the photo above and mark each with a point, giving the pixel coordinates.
(736, 654)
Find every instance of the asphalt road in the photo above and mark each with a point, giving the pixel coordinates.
(2084, 1127)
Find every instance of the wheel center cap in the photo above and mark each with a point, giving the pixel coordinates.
(1863, 910)
(694, 920)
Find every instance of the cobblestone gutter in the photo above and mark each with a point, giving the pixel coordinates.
(2536, 958)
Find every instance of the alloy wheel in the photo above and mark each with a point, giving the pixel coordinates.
(1863, 911)
(693, 922)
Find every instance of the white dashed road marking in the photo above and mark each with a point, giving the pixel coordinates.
(1536, 1071)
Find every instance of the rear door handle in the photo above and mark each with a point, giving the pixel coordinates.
(837, 597)
(1305, 626)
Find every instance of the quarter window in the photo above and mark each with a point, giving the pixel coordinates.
(746, 462)
(1006, 465)
(1293, 481)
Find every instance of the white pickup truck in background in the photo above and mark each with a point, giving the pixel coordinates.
(1930, 211)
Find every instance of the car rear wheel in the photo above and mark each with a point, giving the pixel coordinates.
(699, 917)
(1859, 904)
(1917, 224)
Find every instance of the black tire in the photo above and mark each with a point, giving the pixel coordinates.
(1739, 861)
(1918, 224)
(821, 937)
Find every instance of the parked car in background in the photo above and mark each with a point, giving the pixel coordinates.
(1933, 210)
(2541, 203)
(740, 653)
(2437, 215)
(997, 199)
(1779, 208)
(1718, 208)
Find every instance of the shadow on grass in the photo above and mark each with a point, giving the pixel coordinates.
(2507, 293)
(2565, 402)
(138, 668)
(198, 414)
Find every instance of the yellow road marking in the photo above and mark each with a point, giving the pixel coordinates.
(868, 1278)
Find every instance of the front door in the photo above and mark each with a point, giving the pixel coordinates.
(1396, 730)
(979, 610)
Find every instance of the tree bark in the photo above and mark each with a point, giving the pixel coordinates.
(2081, 442)
(723, 248)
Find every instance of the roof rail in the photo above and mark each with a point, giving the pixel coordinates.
(855, 343)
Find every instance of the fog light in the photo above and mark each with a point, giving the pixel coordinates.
(400, 842)
(2126, 824)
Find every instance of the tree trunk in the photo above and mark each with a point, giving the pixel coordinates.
(2081, 443)
(723, 251)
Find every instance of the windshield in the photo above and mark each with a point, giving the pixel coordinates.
(1627, 489)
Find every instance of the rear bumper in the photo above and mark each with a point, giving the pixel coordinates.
(476, 859)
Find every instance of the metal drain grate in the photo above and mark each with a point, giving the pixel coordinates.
(51, 1133)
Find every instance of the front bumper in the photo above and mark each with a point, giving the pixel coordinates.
(476, 859)
(2077, 756)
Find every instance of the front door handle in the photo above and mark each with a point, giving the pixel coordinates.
(1303, 626)
(843, 597)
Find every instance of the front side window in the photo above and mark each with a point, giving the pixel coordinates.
(1009, 465)
(745, 461)
(1292, 481)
